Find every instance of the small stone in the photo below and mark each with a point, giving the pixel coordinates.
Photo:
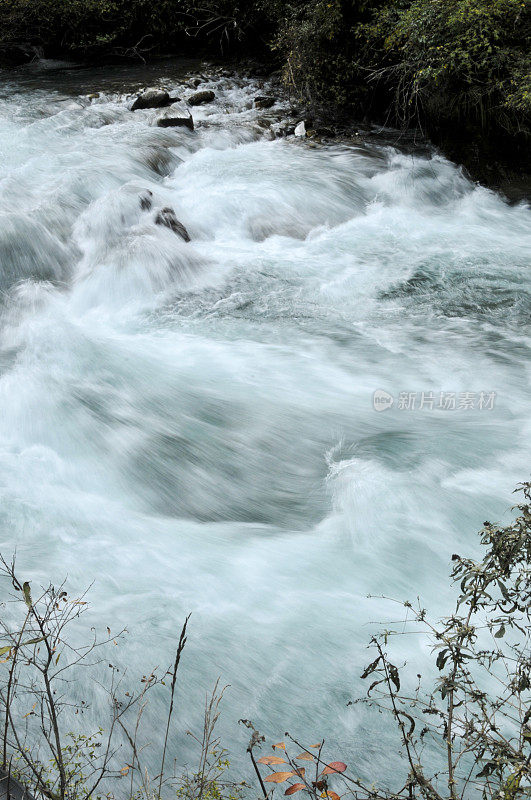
(199, 98)
(166, 217)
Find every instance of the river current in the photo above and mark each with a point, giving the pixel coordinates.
(192, 426)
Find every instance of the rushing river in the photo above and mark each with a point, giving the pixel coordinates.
(192, 425)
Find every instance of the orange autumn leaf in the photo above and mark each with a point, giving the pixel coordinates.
(30, 712)
(278, 777)
(330, 795)
(305, 757)
(271, 760)
(334, 766)
(319, 744)
(295, 788)
(300, 772)
(279, 746)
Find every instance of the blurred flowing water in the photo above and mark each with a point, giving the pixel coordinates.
(191, 426)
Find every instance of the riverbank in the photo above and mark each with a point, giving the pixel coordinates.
(500, 165)
(457, 72)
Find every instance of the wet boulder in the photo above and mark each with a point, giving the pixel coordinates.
(176, 117)
(152, 98)
(166, 216)
(199, 98)
(300, 129)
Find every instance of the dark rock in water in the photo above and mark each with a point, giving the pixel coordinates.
(146, 200)
(166, 217)
(264, 102)
(176, 122)
(152, 98)
(176, 118)
(199, 98)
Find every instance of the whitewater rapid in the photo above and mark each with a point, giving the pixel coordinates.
(191, 425)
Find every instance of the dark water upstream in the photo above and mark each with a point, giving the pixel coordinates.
(191, 425)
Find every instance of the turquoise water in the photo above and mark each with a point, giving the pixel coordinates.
(192, 426)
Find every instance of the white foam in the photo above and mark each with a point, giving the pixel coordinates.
(191, 425)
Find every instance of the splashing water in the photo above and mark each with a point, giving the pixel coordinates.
(192, 425)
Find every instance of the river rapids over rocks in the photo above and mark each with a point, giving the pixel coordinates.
(319, 397)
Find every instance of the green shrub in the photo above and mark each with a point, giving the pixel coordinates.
(84, 26)
(318, 47)
(465, 60)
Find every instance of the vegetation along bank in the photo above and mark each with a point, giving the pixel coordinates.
(457, 70)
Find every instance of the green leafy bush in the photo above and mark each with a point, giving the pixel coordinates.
(320, 52)
(454, 59)
(63, 27)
